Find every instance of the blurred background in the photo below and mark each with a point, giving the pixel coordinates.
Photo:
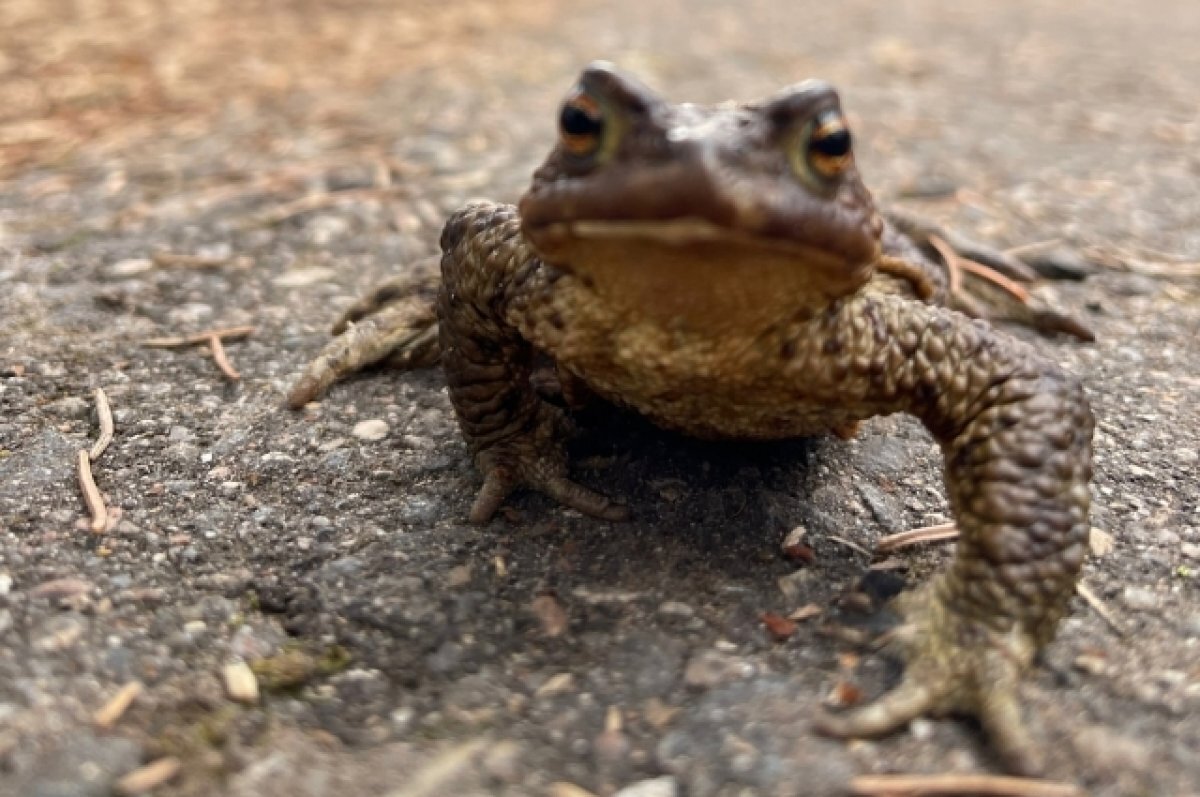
(1095, 97)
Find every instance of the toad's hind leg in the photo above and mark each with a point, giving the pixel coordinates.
(979, 280)
(395, 324)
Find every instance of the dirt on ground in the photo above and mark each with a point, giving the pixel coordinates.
(298, 594)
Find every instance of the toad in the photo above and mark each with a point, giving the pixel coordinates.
(724, 272)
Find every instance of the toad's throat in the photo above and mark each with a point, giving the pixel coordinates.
(695, 273)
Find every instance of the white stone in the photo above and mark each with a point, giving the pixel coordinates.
(654, 787)
(370, 430)
(240, 683)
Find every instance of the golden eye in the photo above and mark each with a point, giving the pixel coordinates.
(828, 146)
(581, 124)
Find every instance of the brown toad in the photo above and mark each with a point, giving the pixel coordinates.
(723, 271)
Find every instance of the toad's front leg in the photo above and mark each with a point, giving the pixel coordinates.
(1016, 435)
(515, 437)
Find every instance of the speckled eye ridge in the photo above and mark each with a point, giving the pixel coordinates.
(581, 124)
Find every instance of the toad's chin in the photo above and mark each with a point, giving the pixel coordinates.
(695, 272)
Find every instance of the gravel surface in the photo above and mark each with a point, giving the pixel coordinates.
(299, 593)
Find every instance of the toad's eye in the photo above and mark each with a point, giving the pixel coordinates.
(828, 145)
(581, 124)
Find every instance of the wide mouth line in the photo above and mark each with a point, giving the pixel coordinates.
(681, 231)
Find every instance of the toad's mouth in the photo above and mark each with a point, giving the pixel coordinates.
(692, 268)
(572, 245)
(686, 231)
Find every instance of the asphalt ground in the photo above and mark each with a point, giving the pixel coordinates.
(172, 169)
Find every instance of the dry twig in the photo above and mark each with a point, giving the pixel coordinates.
(178, 259)
(212, 338)
(996, 278)
(1031, 248)
(220, 358)
(434, 778)
(892, 542)
(113, 710)
(316, 201)
(149, 777)
(951, 259)
(226, 333)
(104, 413)
(91, 494)
(949, 785)
(1099, 607)
(854, 546)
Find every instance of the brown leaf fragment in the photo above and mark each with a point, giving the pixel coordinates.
(550, 614)
(779, 627)
(658, 714)
(800, 553)
(845, 694)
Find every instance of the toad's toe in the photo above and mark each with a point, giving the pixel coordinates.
(955, 665)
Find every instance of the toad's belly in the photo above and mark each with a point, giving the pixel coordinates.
(722, 411)
(725, 389)
(727, 378)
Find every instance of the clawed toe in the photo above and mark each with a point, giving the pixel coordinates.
(887, 714)
(954, 666)
(500, 482)
(985, 282)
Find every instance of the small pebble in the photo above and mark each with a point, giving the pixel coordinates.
(459, 576)
(240, 683)
(370, 430)
(556, 685)
(654, 787)
(6, 582)
(130, 267)
(710, 668)
(503, 761)
(1191, 625)
(675, 609)
(1140, 599)
(1091, 664)
(70, 407)
(921, 729)
(1100, 542)
(402, 719)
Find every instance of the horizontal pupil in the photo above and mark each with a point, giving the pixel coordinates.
(577, 122)
(833, 145)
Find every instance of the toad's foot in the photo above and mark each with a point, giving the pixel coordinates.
(395, 324)
(985, 282)
(955, 664)
(535, 458)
